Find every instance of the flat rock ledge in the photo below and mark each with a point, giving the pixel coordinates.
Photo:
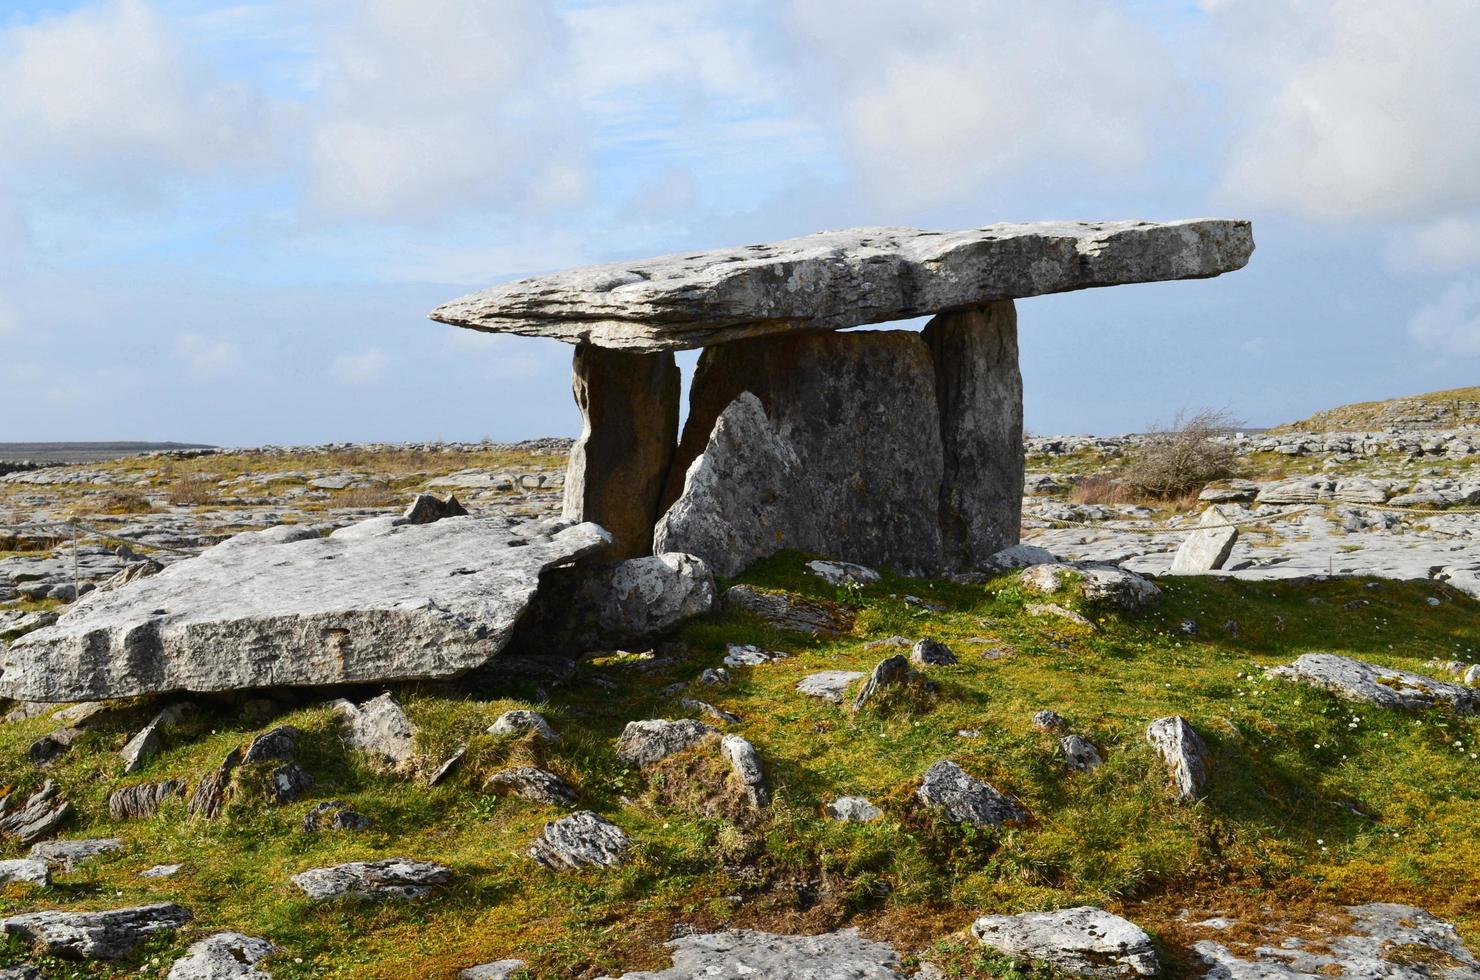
(224, 956)
(739, 953)
(836, 279)
(1394, 942)
(107, 935)
(382, 600)
(1084, 941)
(1385, 687)
(578, 841)
(391, 878)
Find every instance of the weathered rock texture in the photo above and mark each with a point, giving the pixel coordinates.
(1386, 687)
(1185, 755)
(68, 854)
(842, 279)
(391, 878)
(645, 743)
(580, 840)
(1084, 941)
(224, 956)
(790, 612)
(740, 953)
(979, 391)
(94, 935)
(859, 412)
(618, 466)
(142, 800)
(376, 601)
(963, 798)
(35, 817)
(596, 606)
(1206, 549)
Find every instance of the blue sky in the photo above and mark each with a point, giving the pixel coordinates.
(226, 222)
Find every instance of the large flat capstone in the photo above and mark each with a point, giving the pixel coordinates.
(377, 601)
(838, 279)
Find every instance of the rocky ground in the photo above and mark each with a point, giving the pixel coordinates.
(1066, 769)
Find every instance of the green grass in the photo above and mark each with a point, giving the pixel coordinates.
(1312, 801)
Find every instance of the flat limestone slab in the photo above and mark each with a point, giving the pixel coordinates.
(836, 279)
(377, 601)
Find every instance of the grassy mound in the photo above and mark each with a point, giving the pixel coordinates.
(1313, 801)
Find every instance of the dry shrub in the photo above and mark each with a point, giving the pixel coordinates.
(1184, 457)
(190, 491)
(1100, 489)
(125, 502)
(366, 498)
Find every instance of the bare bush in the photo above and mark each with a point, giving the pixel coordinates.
(1183, 457)
(190, 491)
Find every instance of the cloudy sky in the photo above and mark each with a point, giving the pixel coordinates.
(225, 222)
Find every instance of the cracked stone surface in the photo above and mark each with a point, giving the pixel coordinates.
(963, 798)
(224, 956)
(390, 878)
(1385, 687)
(1083, 941)
(580, 840)
(741, 954)
(106, 935)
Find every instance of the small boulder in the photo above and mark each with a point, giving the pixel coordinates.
(644, 743)
(890, 672)
(108, 935)
(1208, 548)
(749, 655)
(68, 854)
(378, 727)
(1080, 755)
(1017, 556)
(426, 508)
(214, 788)
(1049, 721)
(842, 572)
(1385, 687)
(287, 783)
(531, 783)
(37, 817)
(580, 840)
(161, 871)
(1184, 753)
(853, 809)
(334, 815)
(497, 970)
(223, 956)
(28, 870)
(789, 612)
(745, 762)
(963, 798)
(1099, 583)
(519, 721)
(830, 685)
(1084, 941)
(390, 878)
(275, 744)
(932, 652)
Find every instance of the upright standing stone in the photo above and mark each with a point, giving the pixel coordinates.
(979, 389)
(629, 403)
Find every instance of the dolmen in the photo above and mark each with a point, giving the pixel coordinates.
(893, 448)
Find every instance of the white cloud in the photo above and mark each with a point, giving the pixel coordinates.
(1451, 323)
(443, 106)
(1356, 110)
(110, 92)
(939, 99)
(1439, 246)
(366, 367)
(207, 357)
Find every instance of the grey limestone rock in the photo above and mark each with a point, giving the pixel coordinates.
(890, 672)
(36, 816)
(629, 403)
(378, 727)
(599, 606)
(1206, 549)
(741, 954)
(963, 798)
(213, 790)
(390, 878)
(68, 854)
(839, 279)
(107, 935)
(497, 970)
(1101, 584)
(532, 783)
(1385, 687)
(274, 744)
(793, 613)
(142, 800)
(334, 815)
(1084, 941)
(519, 721)
(853, 809)
(223, 956)
(644, 743)
(1048, 720)
(376, 601)
(830, 685)
(580, 840)
(25, 971)
(426, 508)
(1185, 755)
(842, 572)
(1016, 556)
(287, 783)
(1394, 942)
(161, 871)
(28, 870)
(932, 653)
(1079, 754)
(745, 762)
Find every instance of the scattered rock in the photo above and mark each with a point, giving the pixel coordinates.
(223, 956)
(1080, 755)
(38, 816)
(68, 854)
(1049, 721)
(1084, 941)
(1206, 549)
(27, 870)
(963, 798)
(390, 878)
(748, 655)
(48, 748)
(426, 508)
(198, 629)
(276, 744)
(933, 653)
(1100, 584)
(1015, 557)
(709, 711)
(23, 972)
(842, 572)
(287, 783)
(214, 788)
(161, 871)
(378, 727)
(532, 784)
(106, 935)
(1057, 612)
(519, 721)
(1357, 680)
(580, 840)
(448, 764)
(790, 612)
(497, 970)
(890, 672)
(739, 953)
(830, 685)
(644, 743)
(1184, 753)
(745, 762)
(334, 815)
(853, 809)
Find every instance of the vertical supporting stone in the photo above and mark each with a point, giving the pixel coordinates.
(630, 404)
(979, 388)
